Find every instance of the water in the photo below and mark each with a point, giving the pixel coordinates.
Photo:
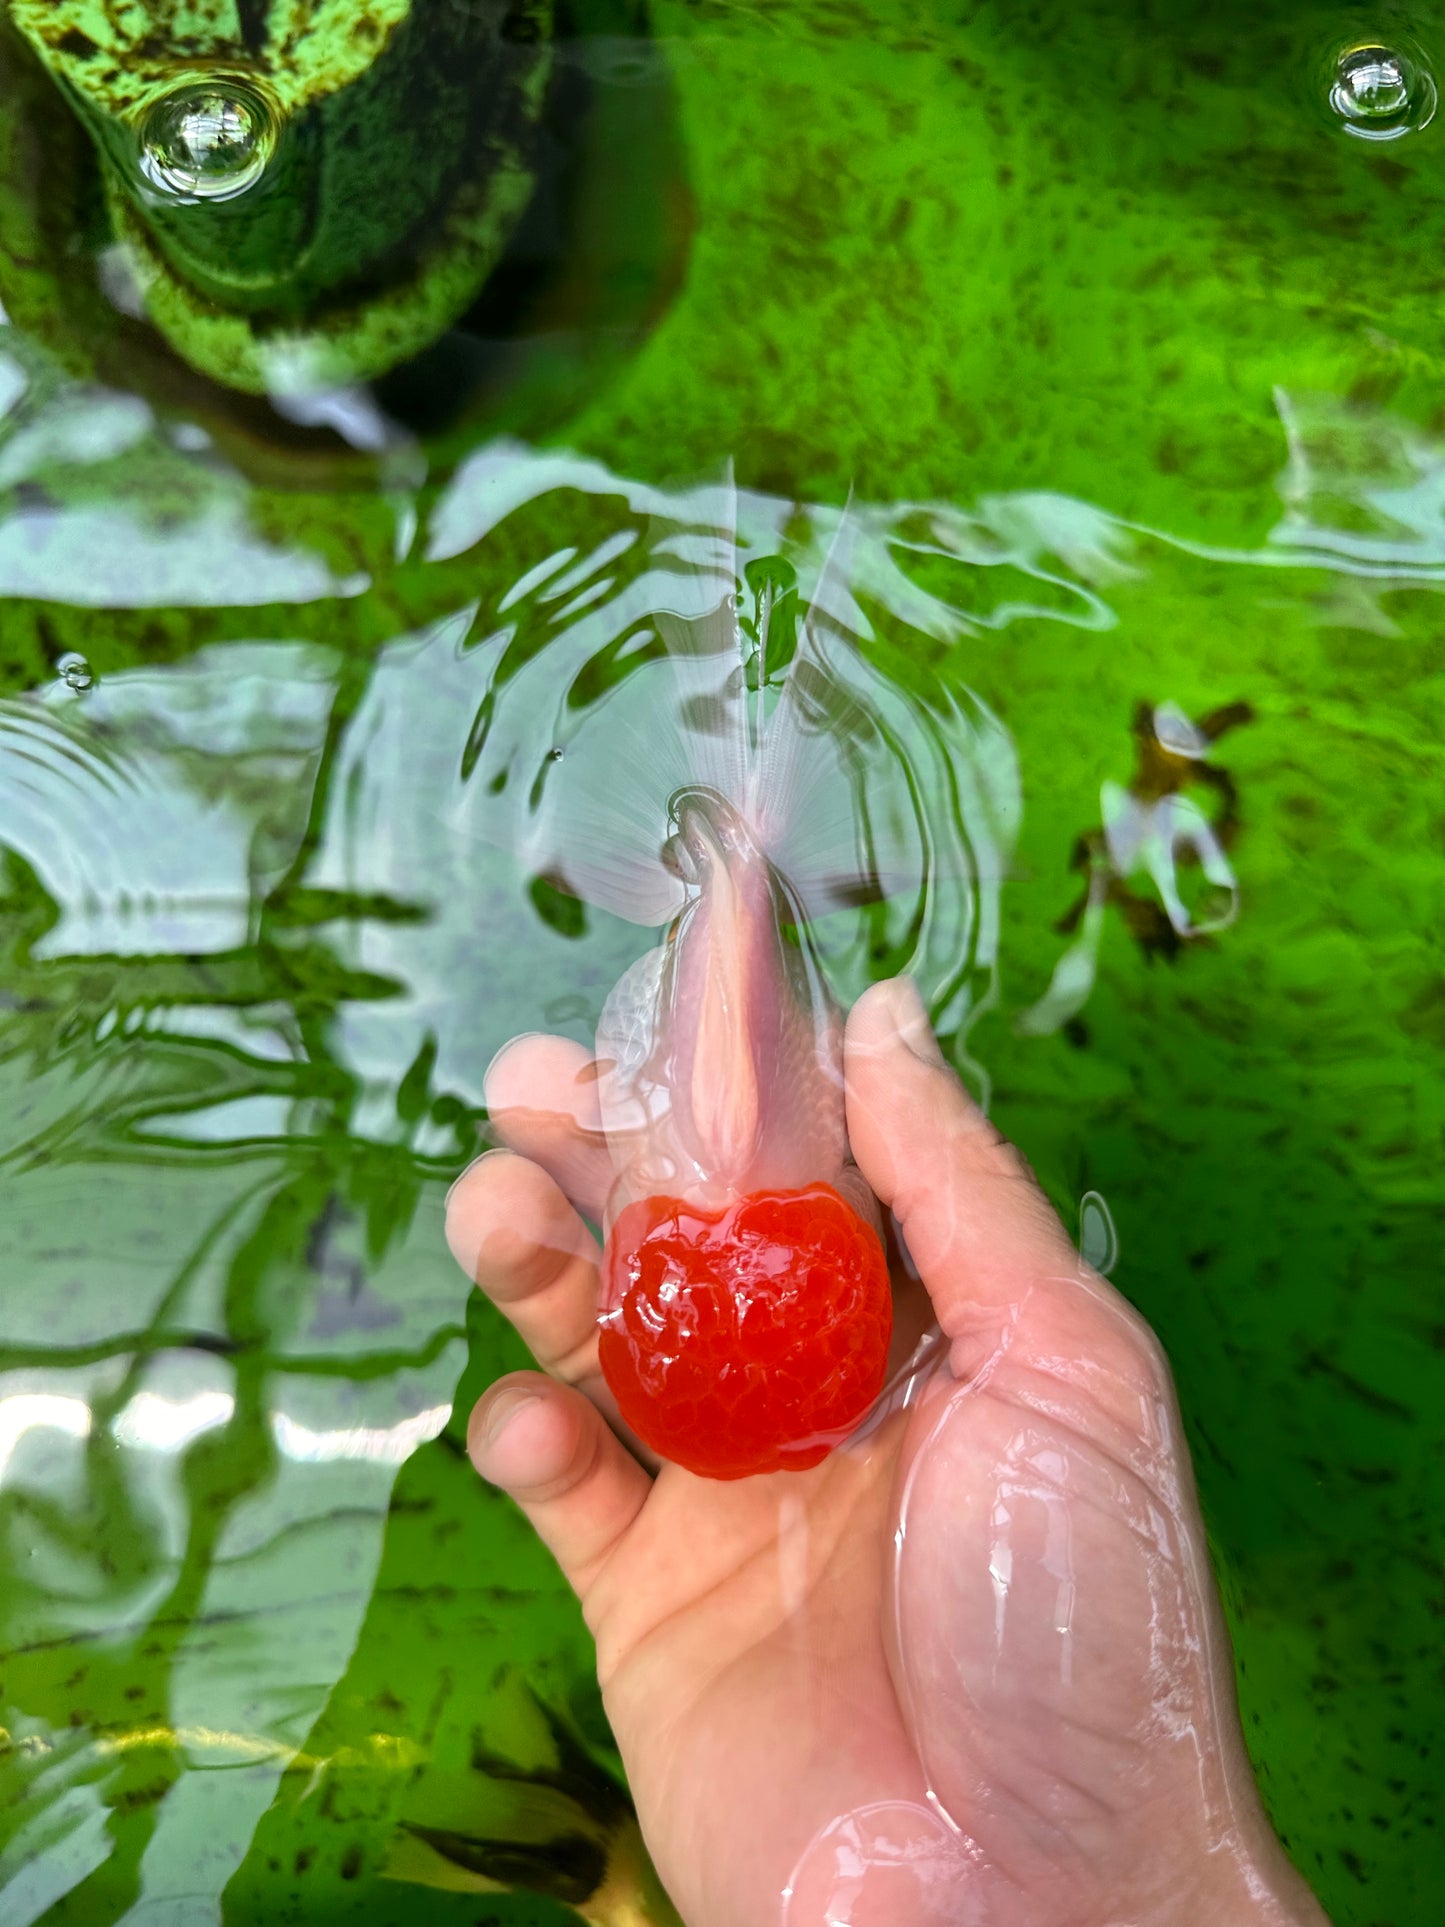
(1129, 353)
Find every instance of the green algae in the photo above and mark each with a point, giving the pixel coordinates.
(402, 159)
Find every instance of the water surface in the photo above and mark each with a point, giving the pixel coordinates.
(1128, 351)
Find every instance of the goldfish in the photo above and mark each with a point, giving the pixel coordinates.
(745, 774)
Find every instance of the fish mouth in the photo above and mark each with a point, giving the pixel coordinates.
(707, 831)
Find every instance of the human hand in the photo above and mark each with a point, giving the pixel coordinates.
(968, 1672)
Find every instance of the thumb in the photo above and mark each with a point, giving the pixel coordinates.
(977, 1226)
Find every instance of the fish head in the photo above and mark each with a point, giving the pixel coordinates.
(721, 1052)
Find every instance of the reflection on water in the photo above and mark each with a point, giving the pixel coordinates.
(260, 944)
(260, 954)
(253, 798)
(169, 1425)
(75, 517)
(256, 949)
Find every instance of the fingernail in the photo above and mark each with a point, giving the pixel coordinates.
(910, 1020)
(464, 1229)
(458, 1182)
(496, 1413)
(522, 1037)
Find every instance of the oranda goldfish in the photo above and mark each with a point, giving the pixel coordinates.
(745, 772)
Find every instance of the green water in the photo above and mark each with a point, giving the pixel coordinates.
(1130, 356)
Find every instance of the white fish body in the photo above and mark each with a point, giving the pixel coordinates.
(720, 1052)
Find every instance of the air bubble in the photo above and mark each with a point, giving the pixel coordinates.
(207, 141)
(1098, 1240)
(1380, 93)
(76, 673)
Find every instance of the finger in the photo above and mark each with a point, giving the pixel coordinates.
(514, 1234)
(978, 1228)
(551, 1451)
(541, 1095)
(1010, 1292)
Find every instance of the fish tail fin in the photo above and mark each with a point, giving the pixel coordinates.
(679, 655)
(846, 777)
(617, 708)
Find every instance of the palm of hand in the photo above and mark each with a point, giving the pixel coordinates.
(968, 1669)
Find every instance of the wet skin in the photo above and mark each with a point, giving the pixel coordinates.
(996, 1606)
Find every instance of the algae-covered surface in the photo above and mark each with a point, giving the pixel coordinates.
(1129, 354)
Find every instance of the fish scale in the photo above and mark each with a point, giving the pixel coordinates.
(747, 1340)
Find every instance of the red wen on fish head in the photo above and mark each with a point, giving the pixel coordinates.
(747, 1339)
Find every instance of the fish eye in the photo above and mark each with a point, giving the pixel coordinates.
(680, 856)
(732, 833)
(698, 851)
